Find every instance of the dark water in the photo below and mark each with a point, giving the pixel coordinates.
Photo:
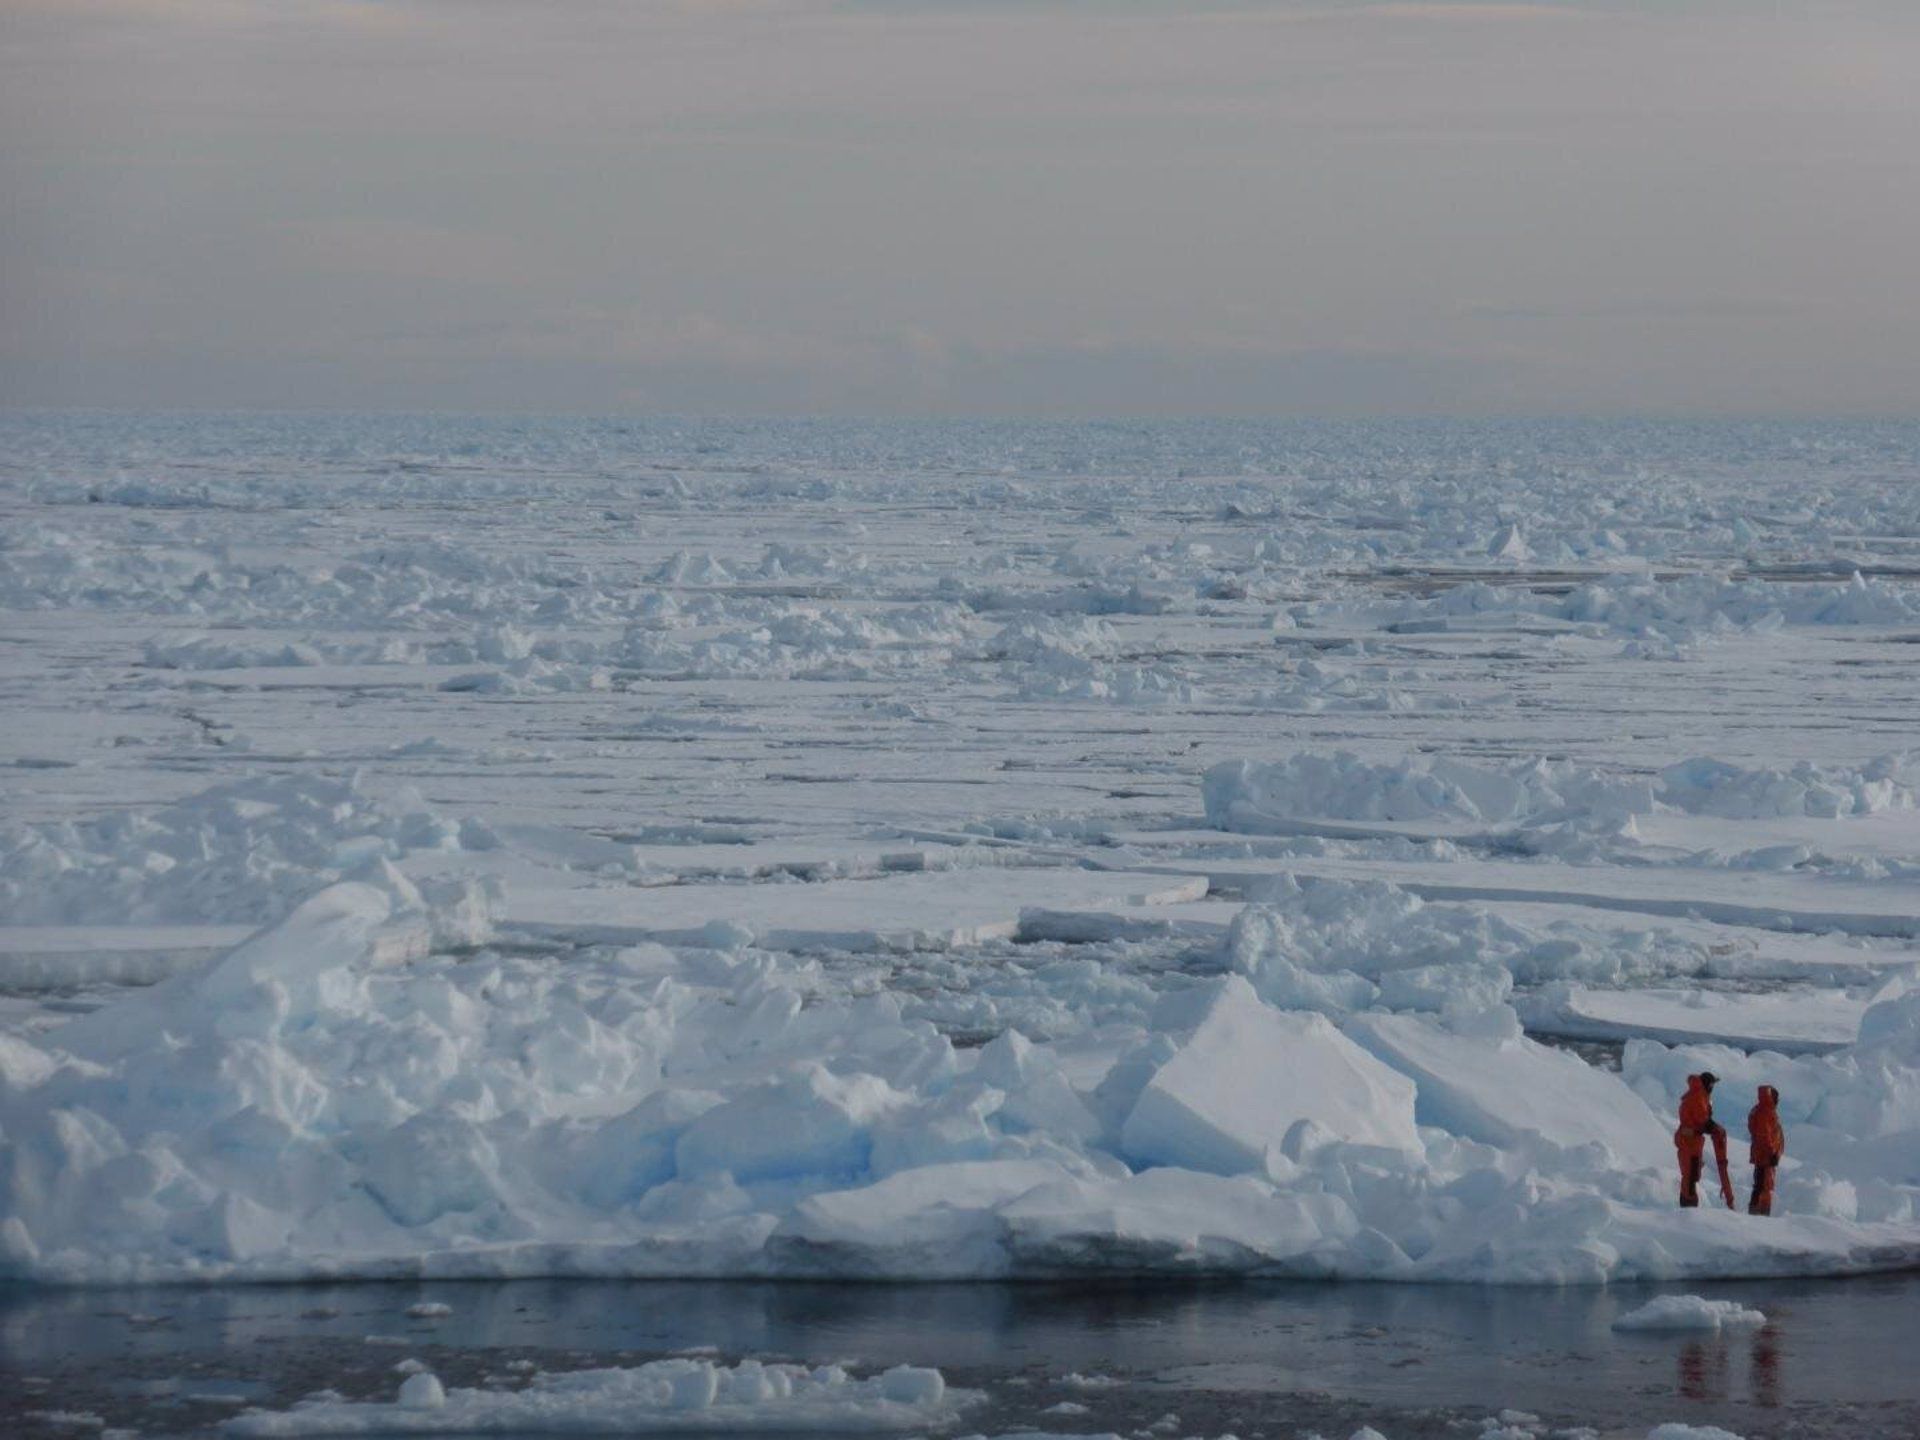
(1836, 1358)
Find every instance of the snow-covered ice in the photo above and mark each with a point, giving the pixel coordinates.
(455, 848)
(333, 1098)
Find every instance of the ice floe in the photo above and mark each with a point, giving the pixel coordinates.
(340, 1096)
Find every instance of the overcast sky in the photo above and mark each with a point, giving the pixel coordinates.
(962, 206)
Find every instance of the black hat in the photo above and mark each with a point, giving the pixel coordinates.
(1709, 1079)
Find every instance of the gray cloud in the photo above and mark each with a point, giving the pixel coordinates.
(1033, 208)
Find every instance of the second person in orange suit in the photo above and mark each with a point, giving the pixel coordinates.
(1769, 1144)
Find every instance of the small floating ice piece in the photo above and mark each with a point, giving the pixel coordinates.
(677, 1396)
(1688, 1312)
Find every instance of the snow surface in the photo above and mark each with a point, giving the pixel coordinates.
(482, 848)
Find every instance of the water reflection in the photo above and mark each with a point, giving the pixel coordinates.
(1548, 1350)
(1704, 1367)
(1764, 1380)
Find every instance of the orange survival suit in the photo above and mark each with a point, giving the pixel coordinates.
(1769, 1144)
(1696, 1125)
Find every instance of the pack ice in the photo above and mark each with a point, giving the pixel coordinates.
(340, 1096)
(741, 849)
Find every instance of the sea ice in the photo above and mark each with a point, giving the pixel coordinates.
(679, 1397)
(334, 1098)
(1244, 1079)
(471, 789)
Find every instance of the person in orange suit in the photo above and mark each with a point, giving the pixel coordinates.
(1769, 1144)
(1697, 1125)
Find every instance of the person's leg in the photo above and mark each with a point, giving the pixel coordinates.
(1762, 1203)
(1690, 1167)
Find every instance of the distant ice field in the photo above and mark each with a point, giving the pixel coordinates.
(448, 846)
